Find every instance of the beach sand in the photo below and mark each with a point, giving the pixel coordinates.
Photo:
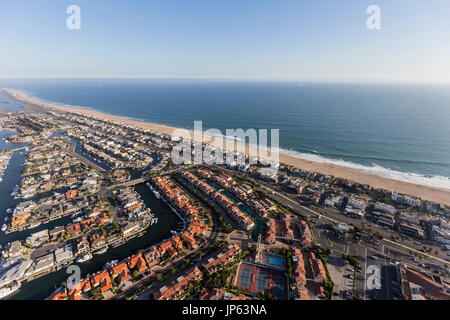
(424, 192)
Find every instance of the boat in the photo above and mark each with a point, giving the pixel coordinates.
(34, 225)
(101, 251)
(77, 219)
(4, 227)
(9, 210)
(84, 258)
(111, 263)
(173, 232)
(6, 219)
(156, 193)
(73, 215)
(6, 291)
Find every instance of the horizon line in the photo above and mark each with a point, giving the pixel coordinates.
(234, 78)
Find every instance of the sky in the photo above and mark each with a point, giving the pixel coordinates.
(256, 39)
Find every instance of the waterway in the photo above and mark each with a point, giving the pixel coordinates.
(42, 287)
(7, 104)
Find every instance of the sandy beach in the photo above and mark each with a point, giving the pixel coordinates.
(424, 192)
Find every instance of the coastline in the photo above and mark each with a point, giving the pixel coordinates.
(425, 192)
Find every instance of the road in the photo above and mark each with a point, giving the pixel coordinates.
(293, 204)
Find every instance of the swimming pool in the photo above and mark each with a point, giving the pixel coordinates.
(276, 261)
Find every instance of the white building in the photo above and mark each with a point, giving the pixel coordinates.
(357, 203)
(41, 264)
(384, 207)
(405, 199)
(38, 238)
(63, 254)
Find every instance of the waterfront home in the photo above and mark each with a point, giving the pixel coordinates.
(97, 240)
(59, 294)
(73, 229)
(71, 194)
(63, 254)
(120, 271)
(82, 246)
(177, 243)
(101, 279)
(137, 263)
(152, 257)
(130, 228)
(38, 238)
(57, 233)
(88, 224)
(20, 219)
(188, 238)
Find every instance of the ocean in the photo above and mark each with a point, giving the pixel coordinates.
(400, 131)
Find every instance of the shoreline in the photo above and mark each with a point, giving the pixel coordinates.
(434, 194)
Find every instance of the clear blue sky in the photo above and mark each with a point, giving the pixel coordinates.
(267, 39)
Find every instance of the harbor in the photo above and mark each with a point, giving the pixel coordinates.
(41, 287)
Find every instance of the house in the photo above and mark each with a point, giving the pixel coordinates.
(177, 243)
(188, 238)
(75, 292)
(73, 229)
(57, 233)
(87, 224)
(137, 263)
(152, 256)
(59, 294)
(71, 194)
(97, 240)
(101, 279)
(178, 286)
(120, 271)
(82, 246)
(63, 254)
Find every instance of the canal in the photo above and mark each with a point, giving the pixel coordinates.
(42, 287)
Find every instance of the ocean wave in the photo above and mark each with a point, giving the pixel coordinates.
(375, 169)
